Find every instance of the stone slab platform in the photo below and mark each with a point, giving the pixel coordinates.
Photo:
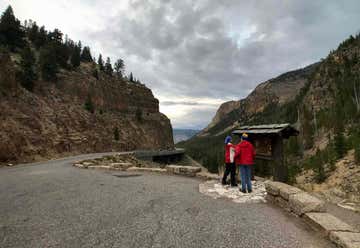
(302, 203)
(327, 223)
(345, 239)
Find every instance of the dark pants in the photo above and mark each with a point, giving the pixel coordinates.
(230, 168)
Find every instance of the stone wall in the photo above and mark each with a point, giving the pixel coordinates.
(313, 211)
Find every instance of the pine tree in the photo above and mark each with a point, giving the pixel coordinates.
(339, 144)
(75, 57)
(55, 36)
(33, 32)
(47, 62)
(139, 115)
(101, 63)
(86, 55)
(27, 65)
(11, 34)
(108, 67)
(119, 67)
(357, 154)
(40, 38)
(89, 106)
(116, 134)
(307, 128)
(131, 77)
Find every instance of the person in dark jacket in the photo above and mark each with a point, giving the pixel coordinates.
(244, 158)
(229, 162)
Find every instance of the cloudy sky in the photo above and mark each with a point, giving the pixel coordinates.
(195, 55)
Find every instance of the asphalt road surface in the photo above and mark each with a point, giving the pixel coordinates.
(53, 204)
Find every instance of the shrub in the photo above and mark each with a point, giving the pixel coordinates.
(89, 106)
(357, 154)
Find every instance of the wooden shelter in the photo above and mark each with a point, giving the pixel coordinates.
(268, 142)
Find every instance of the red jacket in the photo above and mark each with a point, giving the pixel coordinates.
(229, 153)
(244, 153)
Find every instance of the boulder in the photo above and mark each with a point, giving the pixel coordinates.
(345, 239)
(327, 223)
(282, 203)
(270, 198)
(302, 203)
(273, 188)
(183, 170)
(287, 190)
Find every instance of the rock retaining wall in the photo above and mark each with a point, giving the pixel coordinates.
(313, 211)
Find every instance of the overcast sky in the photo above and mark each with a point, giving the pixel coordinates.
(195, 55)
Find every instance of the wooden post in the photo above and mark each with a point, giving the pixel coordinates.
(280, 171)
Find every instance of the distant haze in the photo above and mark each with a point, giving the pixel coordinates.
(183, 134)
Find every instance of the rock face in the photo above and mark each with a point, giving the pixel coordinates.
(279, 90)
(52, 120)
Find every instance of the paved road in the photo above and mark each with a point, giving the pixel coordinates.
(53, 204)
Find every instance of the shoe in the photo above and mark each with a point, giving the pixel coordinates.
(234, 185)
(249, 191)
(244, 191)
(223, 183)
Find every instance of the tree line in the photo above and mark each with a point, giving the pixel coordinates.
(43, 53)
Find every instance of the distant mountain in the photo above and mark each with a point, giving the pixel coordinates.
(183, 134)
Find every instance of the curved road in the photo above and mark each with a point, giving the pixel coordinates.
(53, 204)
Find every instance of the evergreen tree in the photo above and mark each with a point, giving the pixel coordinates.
(307, 128)
(86, 55)
(357, 154)
(11, 34)
(89, 106)
(41, 38)
(55, 36)
(339, 143)
(27, 65)
(75, 57)
(95, 72)
(33, 32)
(101, 63)
(116, 134)
(119, 67)
(131, 77)
(139, 115)
(108, 67)
(47, 62)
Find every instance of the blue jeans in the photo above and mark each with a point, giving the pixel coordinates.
(245, 174)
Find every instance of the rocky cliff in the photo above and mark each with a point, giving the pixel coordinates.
(78, 113)
(277, 91)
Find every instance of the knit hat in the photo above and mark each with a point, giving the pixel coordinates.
(227, 139)
(245, 136)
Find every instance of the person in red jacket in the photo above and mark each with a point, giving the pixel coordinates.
(244, 158)
(229, 162)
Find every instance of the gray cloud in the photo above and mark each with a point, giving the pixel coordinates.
(218, 49)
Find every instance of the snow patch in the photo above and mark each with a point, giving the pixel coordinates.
(216, 190)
